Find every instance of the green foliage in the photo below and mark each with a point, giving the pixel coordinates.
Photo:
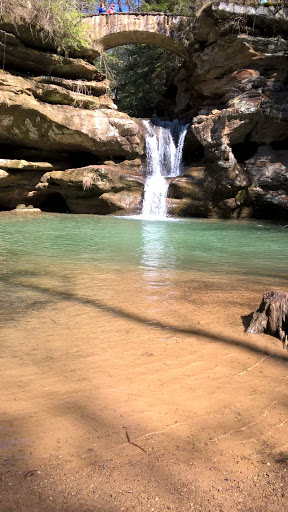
(60, 21)
(142, 77)
(57, 20)
(177, 6)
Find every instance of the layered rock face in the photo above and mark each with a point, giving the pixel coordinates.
(56, 117)
(65, 147)
(236, 89)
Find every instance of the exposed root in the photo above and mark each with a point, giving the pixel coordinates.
(252, 440)
(264, 415)
(278, 426)
(233, 431)
(156, 432)
(254, 366)
(134, 444)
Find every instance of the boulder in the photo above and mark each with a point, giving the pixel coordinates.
(28, 122)
(186, 196)
(188, 207)
(267, 172)
(93, 189)
(17, 185)
(268, 169)
(100, 190)
(186, 186)
(230, 85)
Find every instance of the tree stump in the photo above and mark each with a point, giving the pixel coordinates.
(272, 316)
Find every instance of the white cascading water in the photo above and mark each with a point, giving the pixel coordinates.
(164, 145)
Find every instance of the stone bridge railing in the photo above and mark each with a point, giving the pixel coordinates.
(110, 30)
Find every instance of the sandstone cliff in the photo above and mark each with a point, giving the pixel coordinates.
(235, 87)
(59, 128)
(55, 114)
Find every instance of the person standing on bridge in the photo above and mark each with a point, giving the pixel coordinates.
(101, 8)
(111, 10)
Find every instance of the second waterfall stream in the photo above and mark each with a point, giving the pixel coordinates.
(164, 145)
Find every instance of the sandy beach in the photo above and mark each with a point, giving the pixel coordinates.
(113, 404)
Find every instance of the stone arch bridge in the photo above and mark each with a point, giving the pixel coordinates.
(163, 30)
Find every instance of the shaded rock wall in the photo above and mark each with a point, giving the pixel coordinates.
(236, 90)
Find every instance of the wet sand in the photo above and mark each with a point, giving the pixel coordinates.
(169, 364)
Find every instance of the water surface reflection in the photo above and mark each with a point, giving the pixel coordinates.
(157, 251)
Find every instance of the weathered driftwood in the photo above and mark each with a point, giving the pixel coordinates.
(272, 316)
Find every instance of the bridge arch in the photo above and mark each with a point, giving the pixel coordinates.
(107, 31)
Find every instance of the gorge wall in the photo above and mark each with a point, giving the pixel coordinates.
(235, 89)
(63, 144)
(65, 147)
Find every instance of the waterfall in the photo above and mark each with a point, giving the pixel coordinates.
(164, 145)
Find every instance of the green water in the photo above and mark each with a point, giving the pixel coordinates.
(248, 248)
(84, 272)
(34, 241)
